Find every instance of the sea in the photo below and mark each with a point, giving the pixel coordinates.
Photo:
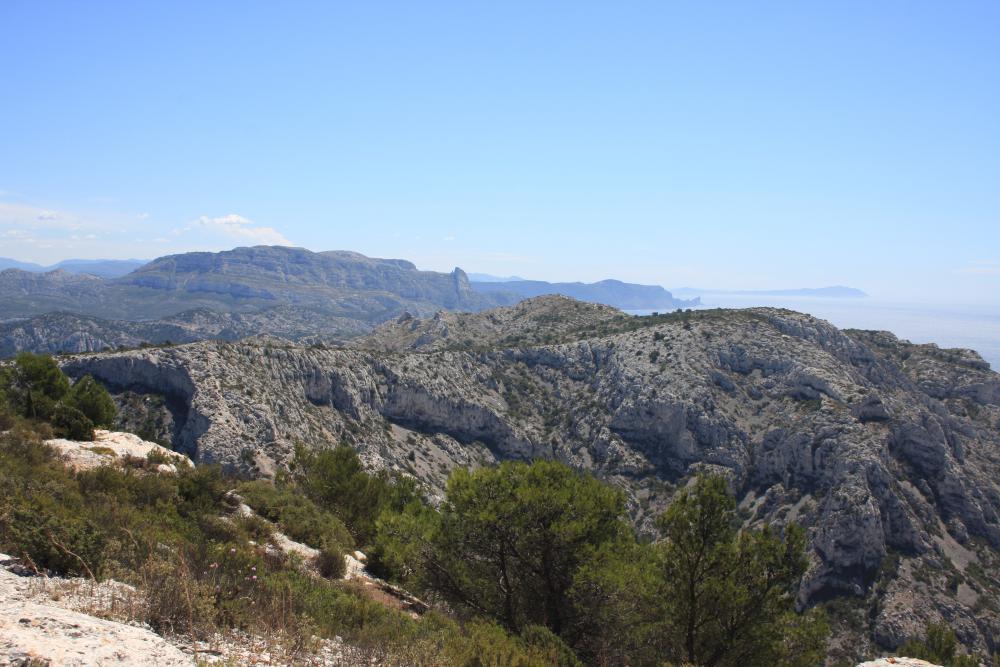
(975, 327)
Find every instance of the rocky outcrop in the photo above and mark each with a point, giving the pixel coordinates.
(35, 630)
(116, 448)
(531, 322)
(888, 453)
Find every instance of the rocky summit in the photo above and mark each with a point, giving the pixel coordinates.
(888, 453)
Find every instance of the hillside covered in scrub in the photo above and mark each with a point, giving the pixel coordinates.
(522, 564)
(887, 453)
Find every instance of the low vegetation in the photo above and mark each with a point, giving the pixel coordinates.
(541, 545)
(34, 388)
(940, 646)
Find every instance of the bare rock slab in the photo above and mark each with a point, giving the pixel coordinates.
(57, 636)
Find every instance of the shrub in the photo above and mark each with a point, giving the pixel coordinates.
(42, 513)
(34, 385)
(297, 516)
(255, 528)
(72, 424)
(217, 529)
(551, 648)
(93, 400)
(6, 411)
(330, 562)
(336, 482)
(940, 646)
(156, 457)
(200, 488)
(176, 602)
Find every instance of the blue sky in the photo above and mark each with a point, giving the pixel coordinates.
(741, 145)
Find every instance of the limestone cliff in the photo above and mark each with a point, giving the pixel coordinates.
(887, 452)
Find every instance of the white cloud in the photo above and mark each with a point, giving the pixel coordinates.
(142, 216)
(23, 215)
(448, 238)
(239, 227)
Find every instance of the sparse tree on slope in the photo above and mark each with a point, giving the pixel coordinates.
(509, 540)
(732, 592)
(34, 385)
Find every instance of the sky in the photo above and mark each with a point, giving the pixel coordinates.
(719, 145)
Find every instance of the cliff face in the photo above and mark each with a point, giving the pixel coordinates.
(887, 452)
(297, 275)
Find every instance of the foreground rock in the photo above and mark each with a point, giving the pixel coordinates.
(34, 630)
(887, 453)
(112, 448)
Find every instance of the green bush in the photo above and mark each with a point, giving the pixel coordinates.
(6, 414)
(335, 481)
(201, 489)
(939, 646)
(158, 456)
(34, 385)
(509, 540)
(72, 424)
(330, 562)
(297, 516)
(94, 401)
(255, 528)
(43, 515)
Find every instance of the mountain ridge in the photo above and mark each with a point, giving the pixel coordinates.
(338, 283)
(627, 296)
(103, 268)
(252, 290)
(886, 452)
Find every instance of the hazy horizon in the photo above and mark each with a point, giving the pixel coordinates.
(723, 146)
(987, 300)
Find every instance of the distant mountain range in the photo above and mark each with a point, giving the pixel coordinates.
(835, 292)
(627, 296)
(103, 268)
(294, 293)
(487, 278)
(340, 284)
(289, 292)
